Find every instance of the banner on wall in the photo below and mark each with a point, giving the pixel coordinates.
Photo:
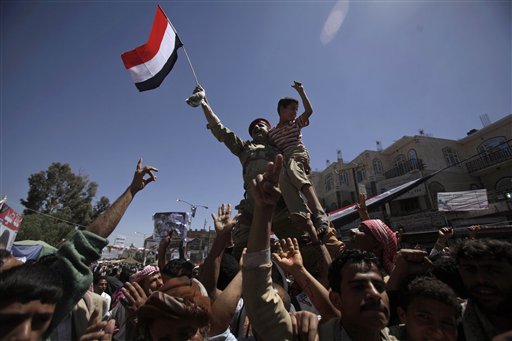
(463, 200)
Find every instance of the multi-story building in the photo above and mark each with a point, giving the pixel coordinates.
(481, 160)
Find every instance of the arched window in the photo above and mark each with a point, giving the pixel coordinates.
(377, 166)
(451, 157)
(493, 144)
(504, 185)
(399, 160)
(411, 154)
(329, 182)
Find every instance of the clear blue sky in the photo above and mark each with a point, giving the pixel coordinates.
(391, 68)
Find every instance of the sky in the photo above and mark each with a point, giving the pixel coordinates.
(373, 70)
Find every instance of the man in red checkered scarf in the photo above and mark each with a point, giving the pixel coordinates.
(374, 236)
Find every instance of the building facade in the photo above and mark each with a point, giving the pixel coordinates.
(481, 160)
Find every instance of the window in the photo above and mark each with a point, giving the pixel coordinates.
(329, 182)
(504, 185)
(451, 157)
(360, 174)
(492, 145)
(411, 155)
(410, 205)
(377, 166)
(400, 164)
(343, 178)
(399, 160)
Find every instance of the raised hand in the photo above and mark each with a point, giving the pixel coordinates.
(408, 262)
(288, 255)
(444, 234)
(412, 261)
(305, 326)
(224, 223)
(265, 186)
(164, 243)
(139, 181)
(361, 208)
(297, 86)
(98, 330)
(473, 231)
(134, 297)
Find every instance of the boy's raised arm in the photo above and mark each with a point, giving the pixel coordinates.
(308, 110)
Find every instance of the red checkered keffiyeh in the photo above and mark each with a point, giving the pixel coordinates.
(145, 272)
(387, 238)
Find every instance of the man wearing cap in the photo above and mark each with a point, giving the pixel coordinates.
(254, 156)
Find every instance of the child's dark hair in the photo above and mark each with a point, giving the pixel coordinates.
(284, 102)
(351, 257)
(29, 282)
(431, 288)
(446, 270)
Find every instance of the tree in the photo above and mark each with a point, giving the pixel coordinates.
(64, 198)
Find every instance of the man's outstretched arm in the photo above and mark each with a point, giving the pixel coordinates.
(108, 220)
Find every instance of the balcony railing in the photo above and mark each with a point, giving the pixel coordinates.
(404, 168)
(489, 159)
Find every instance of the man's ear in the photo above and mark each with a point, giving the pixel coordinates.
(335, 299)
(401, 314)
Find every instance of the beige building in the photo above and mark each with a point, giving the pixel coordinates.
(481, 160)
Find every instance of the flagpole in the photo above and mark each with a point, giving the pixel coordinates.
(184, 49)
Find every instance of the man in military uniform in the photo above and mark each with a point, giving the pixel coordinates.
(254, 156)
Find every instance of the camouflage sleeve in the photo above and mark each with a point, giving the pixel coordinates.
(230, 139)
(71, 262)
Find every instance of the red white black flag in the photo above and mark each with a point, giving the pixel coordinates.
(150, 63)
(347, 214)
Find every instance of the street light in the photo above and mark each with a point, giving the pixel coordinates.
(144, 244)
(193, 207)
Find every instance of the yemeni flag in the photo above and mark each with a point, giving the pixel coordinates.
(150, 63)
(349, 213)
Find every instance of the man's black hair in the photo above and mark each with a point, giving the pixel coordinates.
(29, 282)
(483, 248)
(284, 102)
(351, 257)
(4, 255)
(431, 288)
(97, 278)
(178, 267)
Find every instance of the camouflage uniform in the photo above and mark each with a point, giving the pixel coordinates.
(254, 158)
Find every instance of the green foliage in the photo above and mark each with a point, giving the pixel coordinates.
(59, 193)
(40, 227)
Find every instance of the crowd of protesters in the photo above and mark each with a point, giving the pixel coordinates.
(260, 280)
(371, 290)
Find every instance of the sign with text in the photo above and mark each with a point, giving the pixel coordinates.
(463, 201)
